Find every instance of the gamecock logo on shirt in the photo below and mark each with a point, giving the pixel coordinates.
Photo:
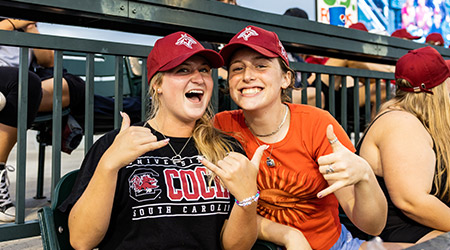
(143, 185)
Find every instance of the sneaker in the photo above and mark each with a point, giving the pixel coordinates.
(7, 208)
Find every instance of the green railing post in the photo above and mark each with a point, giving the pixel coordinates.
(89, 103)
(22, 135)
(57, 120)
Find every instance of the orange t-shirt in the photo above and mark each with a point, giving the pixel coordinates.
(288, 191)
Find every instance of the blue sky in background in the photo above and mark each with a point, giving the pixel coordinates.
(108, 35)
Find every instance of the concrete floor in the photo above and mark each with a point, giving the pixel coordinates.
(68, 163)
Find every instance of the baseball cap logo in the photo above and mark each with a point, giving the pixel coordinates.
(186, 41)
(283, 51)
(247, 33)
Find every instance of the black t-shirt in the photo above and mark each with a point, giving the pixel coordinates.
(159, 204)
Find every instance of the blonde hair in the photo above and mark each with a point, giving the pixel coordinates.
(433, 111)
(210, 142)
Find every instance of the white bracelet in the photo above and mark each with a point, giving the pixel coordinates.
(248, 201)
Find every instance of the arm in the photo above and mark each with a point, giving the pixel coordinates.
(409, 173)
(281, 235)
(90, 216)
(238, 174)
(44, 57)
(355, 186)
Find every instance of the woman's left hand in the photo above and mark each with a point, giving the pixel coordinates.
(342, 167)
(238, 173)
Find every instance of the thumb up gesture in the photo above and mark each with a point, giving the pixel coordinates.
(342, 167)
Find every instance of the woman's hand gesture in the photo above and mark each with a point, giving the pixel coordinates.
(342, 167)
(238, 173)
(130, 143)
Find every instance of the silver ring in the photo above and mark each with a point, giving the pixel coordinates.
(334, 140)
(329, 170)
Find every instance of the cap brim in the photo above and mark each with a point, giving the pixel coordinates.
(214, 59)
(229, 49)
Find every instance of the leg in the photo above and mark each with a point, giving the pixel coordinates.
(430, 235)
(47, 95)
(8, 138)
(8, 115)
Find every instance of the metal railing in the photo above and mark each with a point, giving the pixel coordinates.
(207, 20)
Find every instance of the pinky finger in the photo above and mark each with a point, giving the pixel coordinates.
(331, 189)
(156, 145)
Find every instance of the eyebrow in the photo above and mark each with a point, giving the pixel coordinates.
(259, 57)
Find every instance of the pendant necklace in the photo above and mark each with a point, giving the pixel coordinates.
(177, 157)
(269, 161)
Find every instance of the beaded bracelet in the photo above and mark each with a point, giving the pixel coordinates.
(248, 201)
(14, 27)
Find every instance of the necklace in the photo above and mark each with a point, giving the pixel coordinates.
(177, 157)
(276, 130)
(269, 161)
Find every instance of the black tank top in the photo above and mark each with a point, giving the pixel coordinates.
(399, 227)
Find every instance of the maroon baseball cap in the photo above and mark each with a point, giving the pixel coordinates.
(172, 50)
(435, 38)
(403, 33)
(424, 68)
(261, 40)
(359, 26)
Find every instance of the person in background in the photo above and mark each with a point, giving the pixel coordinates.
(40, 99)
(404, 34)
(9, 72)
(146, 185)
(435, 39)
(309, 167)
(413, 171)
(335, 62)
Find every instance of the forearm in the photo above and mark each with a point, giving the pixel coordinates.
(428, 211)
(370, 207)
(240, 231)
(281, 235)
(44, 57)
(90, 216)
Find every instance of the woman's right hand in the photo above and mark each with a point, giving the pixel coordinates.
(238, 173)
(130, 143)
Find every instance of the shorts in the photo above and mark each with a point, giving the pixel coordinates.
(9, 82)
(346, 241)
(76, 89)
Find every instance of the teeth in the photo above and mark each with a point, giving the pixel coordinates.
(195, 92)
(251, 91)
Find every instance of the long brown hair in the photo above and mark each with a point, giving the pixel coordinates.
(433, 111)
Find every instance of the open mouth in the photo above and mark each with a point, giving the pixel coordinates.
(251, 91)
(194, 95)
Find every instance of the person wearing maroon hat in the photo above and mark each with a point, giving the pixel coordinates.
(147, 186)
(407, 147)
(435, 39)
(309, 167)
(350, 85)
(404, 34)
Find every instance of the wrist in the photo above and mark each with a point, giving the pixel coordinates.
(248, 201)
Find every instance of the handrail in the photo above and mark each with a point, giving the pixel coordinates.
(207, 20)
(216, 22)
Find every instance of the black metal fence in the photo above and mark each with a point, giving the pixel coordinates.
(207, 20)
